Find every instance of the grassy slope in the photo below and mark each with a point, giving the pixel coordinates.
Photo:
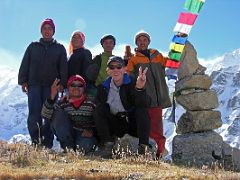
(24, 162)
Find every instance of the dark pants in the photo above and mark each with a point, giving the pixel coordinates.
(109, 126)
(68, 136)
(39, 129)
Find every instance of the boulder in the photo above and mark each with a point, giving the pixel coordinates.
(197, 149)
(189, 63)
(206, 100)
(198, 121)
(194, 81)
(129, 144)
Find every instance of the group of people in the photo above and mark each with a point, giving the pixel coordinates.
(90, 102)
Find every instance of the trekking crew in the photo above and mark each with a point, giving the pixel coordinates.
(123, 104)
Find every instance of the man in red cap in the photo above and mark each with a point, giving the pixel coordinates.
(43, 62)
(71, 117)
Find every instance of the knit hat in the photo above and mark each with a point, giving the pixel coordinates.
(82, 36)
(142, 33)
(116, 59)
(108, 36)
(76, 78)
(49, 22)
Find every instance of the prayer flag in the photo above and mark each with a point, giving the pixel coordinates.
(177, 47)
(194, 6)
(187, 18)
(182, 28)
(172, 64)
(179, 40)
(175, 55)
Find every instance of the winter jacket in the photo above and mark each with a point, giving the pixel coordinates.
(156, 86)
(97, 69)
(42, 63)
(81, 117)
(129, 95)
(78, 62)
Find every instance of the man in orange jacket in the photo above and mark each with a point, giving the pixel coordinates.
(156, 86)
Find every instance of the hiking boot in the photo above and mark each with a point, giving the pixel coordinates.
(163, 154)
(142, 149)
(105, 151)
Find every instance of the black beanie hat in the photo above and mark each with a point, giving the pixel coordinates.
(108, 36)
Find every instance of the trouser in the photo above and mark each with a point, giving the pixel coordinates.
(68, 136)
(156, 130)
(109, 126)
(39, 129)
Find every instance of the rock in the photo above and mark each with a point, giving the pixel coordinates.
(231, 158)
(206, 100)
(200, 70)
(197, 121)
(197, 149)
(130, 144)
(194, 81)
(189, 63)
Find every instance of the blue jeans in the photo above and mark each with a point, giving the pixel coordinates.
(39, 129)
(68, 136)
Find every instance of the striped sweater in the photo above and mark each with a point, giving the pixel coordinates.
(81, 117)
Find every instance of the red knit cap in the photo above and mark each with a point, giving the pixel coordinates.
(49, 22)
(76, 78)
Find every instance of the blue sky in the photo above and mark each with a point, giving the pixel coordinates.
(215, 32)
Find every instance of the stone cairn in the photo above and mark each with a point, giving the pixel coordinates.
(197, 144)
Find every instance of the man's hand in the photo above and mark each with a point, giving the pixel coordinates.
(141, 79)
(54, 89)
(25, 87)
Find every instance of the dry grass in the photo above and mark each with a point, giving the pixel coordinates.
(20, 161)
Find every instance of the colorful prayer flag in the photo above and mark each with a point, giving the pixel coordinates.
(172, 64)
(182, 28)
(179, 40)
(187, 18)
(175, 55)
(194, 6)
(177, 47)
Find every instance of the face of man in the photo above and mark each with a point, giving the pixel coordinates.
(108, 45)
(47, 32)
(76, 41)
(76, 89)
(142, 43)
(116, 71)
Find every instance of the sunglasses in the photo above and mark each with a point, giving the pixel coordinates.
(119, 66)
(76, 85)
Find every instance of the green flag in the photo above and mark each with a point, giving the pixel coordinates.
(194, 6)
(175, 55)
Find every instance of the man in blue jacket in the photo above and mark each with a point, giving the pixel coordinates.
(43, 62)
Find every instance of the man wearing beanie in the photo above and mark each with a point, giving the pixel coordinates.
(97, 70)
(72, 117)
(156, 86)
(43, 62)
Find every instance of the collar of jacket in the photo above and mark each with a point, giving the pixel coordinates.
(45, 43)
(126, 80)
(140, 54)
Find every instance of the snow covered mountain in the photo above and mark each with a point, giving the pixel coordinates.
(224, 70)
(13, 102)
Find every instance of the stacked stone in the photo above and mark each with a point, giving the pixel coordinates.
(197, 143)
